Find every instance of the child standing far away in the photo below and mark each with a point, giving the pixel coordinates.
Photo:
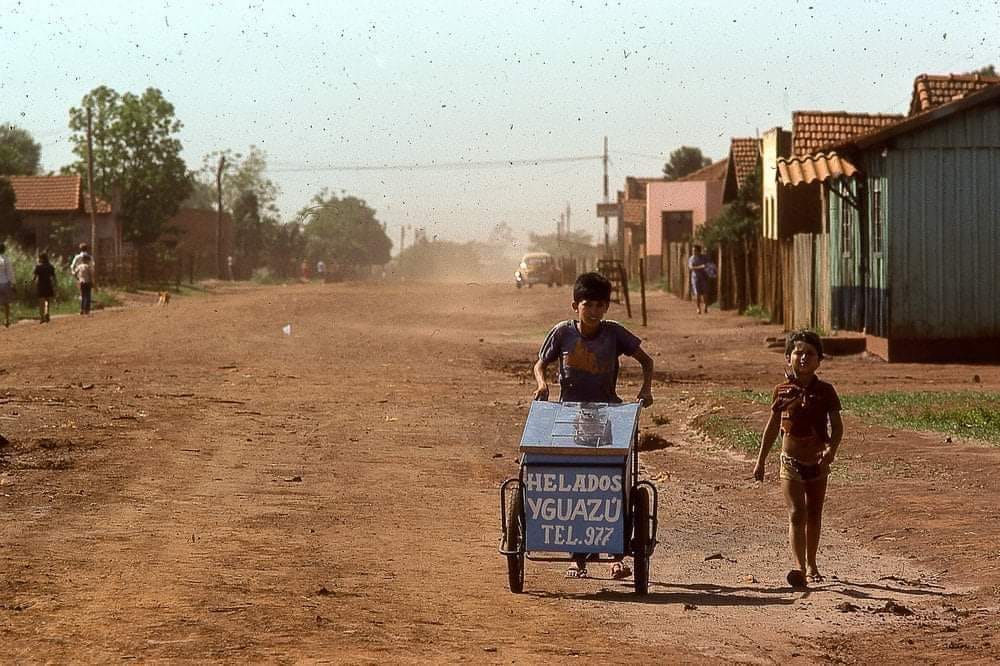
(587, 349)
(45, 286)
(84, 273)
(801, 410)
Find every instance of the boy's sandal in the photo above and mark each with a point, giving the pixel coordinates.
(796, 578)
(815, 577)
(620, 570)
(575, 572)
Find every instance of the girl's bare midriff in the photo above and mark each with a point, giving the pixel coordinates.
(806, 450)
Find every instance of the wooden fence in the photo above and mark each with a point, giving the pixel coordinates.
(789, 278)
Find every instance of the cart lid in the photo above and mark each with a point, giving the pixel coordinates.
(580, 428)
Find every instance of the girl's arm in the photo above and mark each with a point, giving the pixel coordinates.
(542, 391)
(836, 434)
(766, 441)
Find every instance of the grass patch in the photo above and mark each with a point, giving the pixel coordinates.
(101, 299)
(757, 312)
(969, 414)
(730, 431)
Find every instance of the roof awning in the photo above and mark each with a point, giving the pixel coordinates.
(813, 168)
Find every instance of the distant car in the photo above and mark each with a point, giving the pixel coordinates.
(537, 268)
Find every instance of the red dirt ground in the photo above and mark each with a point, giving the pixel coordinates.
(189, 483)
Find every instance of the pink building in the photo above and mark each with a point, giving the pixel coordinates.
(675, 209)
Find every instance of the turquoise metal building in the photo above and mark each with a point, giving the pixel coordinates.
(913, 212)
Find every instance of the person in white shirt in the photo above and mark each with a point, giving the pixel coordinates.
(84, 252)
(7, 292)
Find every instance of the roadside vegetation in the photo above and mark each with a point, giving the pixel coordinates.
(968, 414)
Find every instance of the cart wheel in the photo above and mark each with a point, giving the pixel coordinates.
(515, 541)
(640, 539)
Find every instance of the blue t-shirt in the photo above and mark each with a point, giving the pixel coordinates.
(588, 367)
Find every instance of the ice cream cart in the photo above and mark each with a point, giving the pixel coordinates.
(577, 491)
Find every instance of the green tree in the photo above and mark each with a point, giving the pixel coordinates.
(286, 245)
(344, 230)
(739, 219)
(241, 174)
(988, 70)
(683, 161)
(10, 219)
(135, 151)
(251, 231)
(19, 153)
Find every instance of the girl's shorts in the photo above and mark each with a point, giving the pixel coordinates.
(794, 469)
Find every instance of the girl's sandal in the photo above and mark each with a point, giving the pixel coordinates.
(576, 572)
(796, 578)
(816, 577)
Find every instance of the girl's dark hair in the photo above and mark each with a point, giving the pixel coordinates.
(804, 335)
(591, 287)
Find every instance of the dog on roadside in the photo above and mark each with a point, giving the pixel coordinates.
(163, 298)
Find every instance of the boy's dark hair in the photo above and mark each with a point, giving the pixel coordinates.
(591, 287)
(44, 257)
(804, 335)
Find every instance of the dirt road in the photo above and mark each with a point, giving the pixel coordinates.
(189, 482)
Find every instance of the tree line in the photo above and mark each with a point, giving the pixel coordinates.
(137, 163)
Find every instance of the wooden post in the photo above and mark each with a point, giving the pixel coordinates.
(218, 219)
(642, 289)
(623, 277)
(90, 191)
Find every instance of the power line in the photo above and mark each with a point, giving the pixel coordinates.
(430, 166)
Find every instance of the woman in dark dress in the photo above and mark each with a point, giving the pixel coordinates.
(45, 286)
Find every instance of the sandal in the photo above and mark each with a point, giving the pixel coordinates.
(815, 577)
(620, 570)
(576, 572)
(796, 578)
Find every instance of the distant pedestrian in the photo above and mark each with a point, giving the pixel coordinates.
(7, 292)
(229, 267)
(84, 273)
(321, 270)
(305, 270)
(84, 252)
(45, 286)
(698, 267)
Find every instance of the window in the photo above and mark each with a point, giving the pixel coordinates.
(878, 229)
(846, 237)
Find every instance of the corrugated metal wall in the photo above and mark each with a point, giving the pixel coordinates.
(943, 228)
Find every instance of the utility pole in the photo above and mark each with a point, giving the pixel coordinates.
(402, 238)
(218, 219)
(560, 225)
(607, 242)
(566, 226)
(90, 189)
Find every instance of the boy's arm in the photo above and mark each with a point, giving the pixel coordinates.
(645, 395)
(542, 391)
(836, 434)
(766, 441)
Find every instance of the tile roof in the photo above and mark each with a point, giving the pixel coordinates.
(744, 152)
(52, 194)
(814, 130)
(813, 168)
(713, 172)
(930, 90)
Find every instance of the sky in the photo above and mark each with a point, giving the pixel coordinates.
(506, 90)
